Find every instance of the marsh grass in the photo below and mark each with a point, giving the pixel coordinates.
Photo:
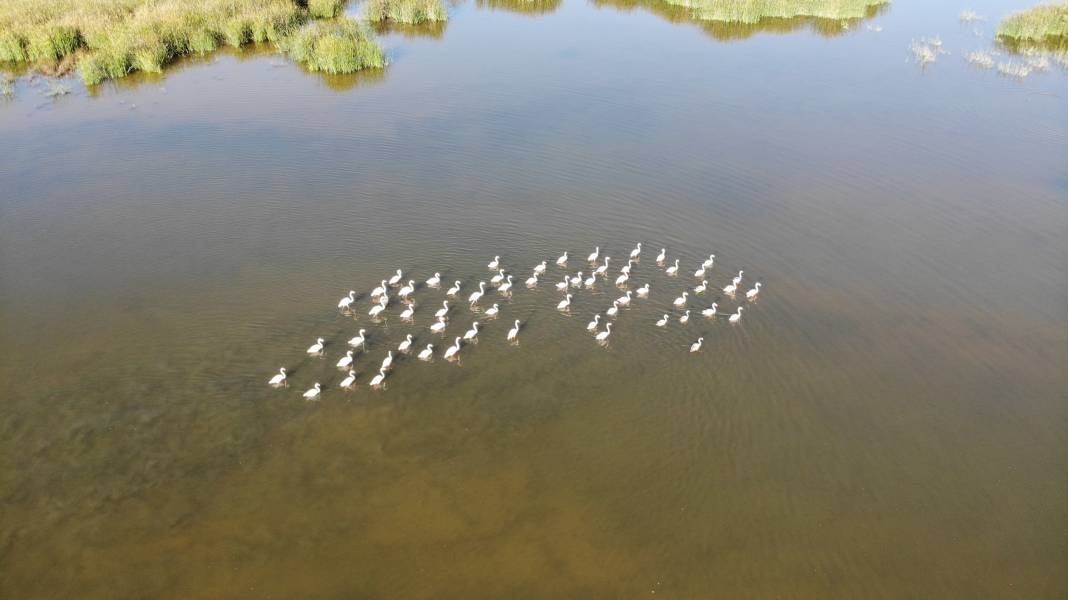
(412, 12)
(754, 11)
(338, 46)
(108, 39)
(7, 87)
(1044, 23)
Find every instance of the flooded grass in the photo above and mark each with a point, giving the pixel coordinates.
(336, 47)
(412, 12)
(1043, 24)
(109, 39)
(755, 11)
(981, 58)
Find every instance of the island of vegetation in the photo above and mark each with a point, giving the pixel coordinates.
(1044, 25)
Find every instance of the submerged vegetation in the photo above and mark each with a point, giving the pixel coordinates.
(338, 46)
(412, 12)
(108, 39)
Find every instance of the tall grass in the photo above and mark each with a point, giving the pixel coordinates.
(754, 11)
(405, 11)
(1044, 23)
(338, 46)
(112, 38)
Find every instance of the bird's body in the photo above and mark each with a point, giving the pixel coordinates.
(565, 303)
(506, 287)
(539, 269)
(346, 361)
(613, 310)
(576, 281)
(643, 292)
(444, 310)
(407, 290)
(313, 393)
(562, 260)
(452, 350)
(396, 278)
(492, 311)
(476, 296)
(455, 289)
(737, 278)
(347, 382)
(439, 326)
(710, 312)
(493, 264)
(514, 331)
(681, 300)
(434, 281)
(471, 333)
(406, 345)
(317, 347)
(381, 289)
(532, 280)
(660, 257)
(697, 345)
(699, 273)
(736, 316)
(701, 288)
(709, 261)
(685, 318)
(624, 299)
(408, 313)
(603, 336)
(663, 321)
(278, 379)
(427, 352)
(626, 268)
(595, 255)
(563, 284)
(673, 270)
(622, 279)
(499, 277)
(730, 289)
(592, 325)
(347, 301)
(592, 279)
(378, 308)
(603, 269)
(753, 292)
(387, 362)
(636, 252)
(378, 379)
(359, 339)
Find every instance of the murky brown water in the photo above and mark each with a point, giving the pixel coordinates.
(889, 419)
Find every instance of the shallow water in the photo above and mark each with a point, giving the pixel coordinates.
(888, 420)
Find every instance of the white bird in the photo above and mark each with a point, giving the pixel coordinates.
(345, 361)
(737, 278)
(499, 277)
(493, 264)
(681, 300)
(592, 279)
(475, 296)
(396, 278)
(434, 281)
(532, 280)
(622, 279)
(673, 270)
(730, 289)
(347, 382)
(408, 313)
(709, 261)
(663, 321)
(514, 331)
(636, 251)
(660, 257)
(604, 334)
(347, 301)
(699, 273)
(505, 287)
(596, 253)
(317, 347)
(455, 289)
(563, 284)
(378, 308)
(387, 361)
(592, 325)
(407, 290)
(710, 311)
(444, 310)
(612, 310)
(427, 352)
(540, 268)
(685, 318)
(624, 300)
(313, 393)
(736, 316)
(643, 291)
(626, 268)
(472, 333)
(378, 379)
(566, 302)
(603, 269)
(492, 311)
(753, 292)
(278, 379)
(378, 291)
(406, 345)
(576, 281)
(359, 339)
(452, 350)
(701, 288)
(562, 260)
(697, 345)
(439, 326)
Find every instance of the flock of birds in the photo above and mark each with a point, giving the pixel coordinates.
(504, 283)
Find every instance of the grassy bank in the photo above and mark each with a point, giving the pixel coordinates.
(107, 39)
(1047, 23)
(412, 12)
(755, 11)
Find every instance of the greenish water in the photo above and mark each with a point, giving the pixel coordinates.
(888, 419)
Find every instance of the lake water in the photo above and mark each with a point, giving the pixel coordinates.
(889, 419)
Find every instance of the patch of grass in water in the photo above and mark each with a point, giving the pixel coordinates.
(1044, 23)
(754, 11)
(526, 7)
(339, 46)
(412, 12)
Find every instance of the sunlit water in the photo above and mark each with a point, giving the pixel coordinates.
(889, 419)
